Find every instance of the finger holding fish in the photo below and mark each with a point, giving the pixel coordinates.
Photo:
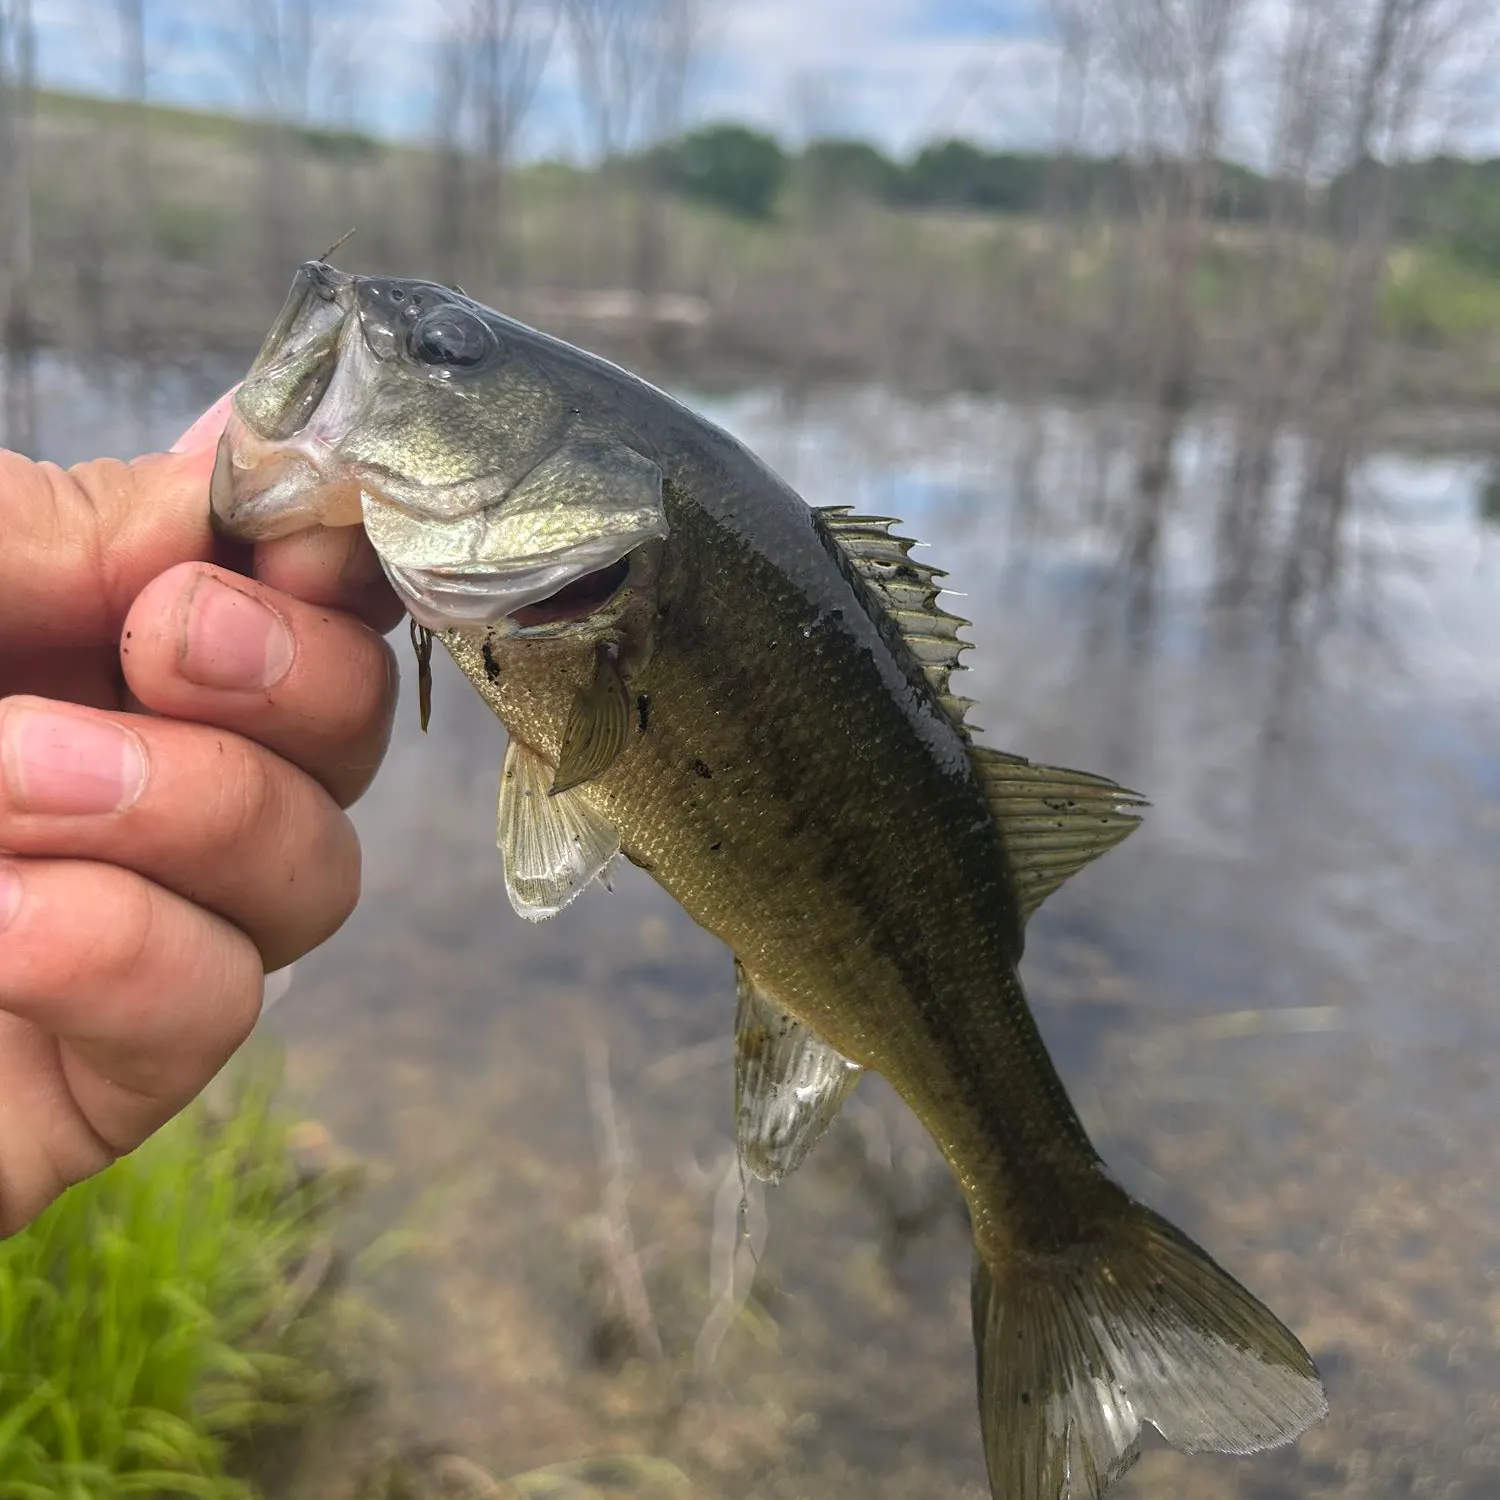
(82, 784)
(310, 683)
(332, 566)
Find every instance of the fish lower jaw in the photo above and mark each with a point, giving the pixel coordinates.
(548, 599)
(262, 490)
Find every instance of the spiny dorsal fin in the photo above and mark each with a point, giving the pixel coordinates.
(908, 591)
(1053, 821)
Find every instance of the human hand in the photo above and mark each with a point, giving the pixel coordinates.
(171, 823)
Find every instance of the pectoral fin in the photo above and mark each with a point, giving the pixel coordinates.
(552, 845)
(597, 727)
(789, 1084)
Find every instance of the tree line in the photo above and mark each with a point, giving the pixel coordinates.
(1448, 200)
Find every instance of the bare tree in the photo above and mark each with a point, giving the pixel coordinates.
(17, 129)
(452, 223)
(507, 44)
(1191, 41)
(130, 224)
(1044, 289)
(1272, 354)
(273, 45)
(1400, 49)
(132, 19)
(635, 61)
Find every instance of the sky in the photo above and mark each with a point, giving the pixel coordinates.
(898, 72)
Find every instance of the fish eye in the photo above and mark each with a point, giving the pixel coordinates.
(452, 339)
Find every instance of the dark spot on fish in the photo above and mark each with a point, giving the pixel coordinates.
(491, 666)
(699, 769)
(643, 710)
(1025, 1398)
(715, 847)
(128, 634)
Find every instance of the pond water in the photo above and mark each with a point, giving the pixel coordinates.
(1276, 1007)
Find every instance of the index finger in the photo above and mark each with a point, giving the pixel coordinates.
(81, 543)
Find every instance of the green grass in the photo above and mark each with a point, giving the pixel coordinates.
(150, 1320)
(1432, 300)
(212, 125)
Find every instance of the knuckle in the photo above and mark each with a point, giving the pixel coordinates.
(122, 934)
(337, 862)
(251, 795)
(368, 687)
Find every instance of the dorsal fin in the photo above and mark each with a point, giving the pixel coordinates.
(1053, 821)
(908, 592)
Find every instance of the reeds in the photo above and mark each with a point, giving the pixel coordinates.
(154, 1319)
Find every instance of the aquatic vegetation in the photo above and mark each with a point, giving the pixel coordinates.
(165, 1311)
(439, 1475)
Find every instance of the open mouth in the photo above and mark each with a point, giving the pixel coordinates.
(576, 600)
(543, 596)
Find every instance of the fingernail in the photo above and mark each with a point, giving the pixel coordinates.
(204, 433)
(232, 641)
(68, 765)
(10, 894)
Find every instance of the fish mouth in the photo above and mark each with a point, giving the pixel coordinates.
(577, 600)
(263, 489)
(543, 599)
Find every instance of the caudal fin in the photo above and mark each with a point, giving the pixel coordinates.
(1075, 1353)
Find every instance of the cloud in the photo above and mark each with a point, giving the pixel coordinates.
(899, 72)
(896, 71)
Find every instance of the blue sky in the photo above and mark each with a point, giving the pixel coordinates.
(899, 72)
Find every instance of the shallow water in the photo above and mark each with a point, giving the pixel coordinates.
(1276, 1008)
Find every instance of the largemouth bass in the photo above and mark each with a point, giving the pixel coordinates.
(750, 699)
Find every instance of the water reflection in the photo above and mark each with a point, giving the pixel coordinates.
(1276, 1006)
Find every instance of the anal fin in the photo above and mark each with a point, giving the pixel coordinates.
(789, 1084)
(553, 844)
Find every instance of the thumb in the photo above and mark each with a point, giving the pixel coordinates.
(81, 543)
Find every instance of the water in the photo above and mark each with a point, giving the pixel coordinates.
(1276, 1008)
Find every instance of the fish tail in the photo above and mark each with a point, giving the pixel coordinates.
(1077, 1350)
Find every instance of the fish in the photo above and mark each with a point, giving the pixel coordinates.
(750, 699)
